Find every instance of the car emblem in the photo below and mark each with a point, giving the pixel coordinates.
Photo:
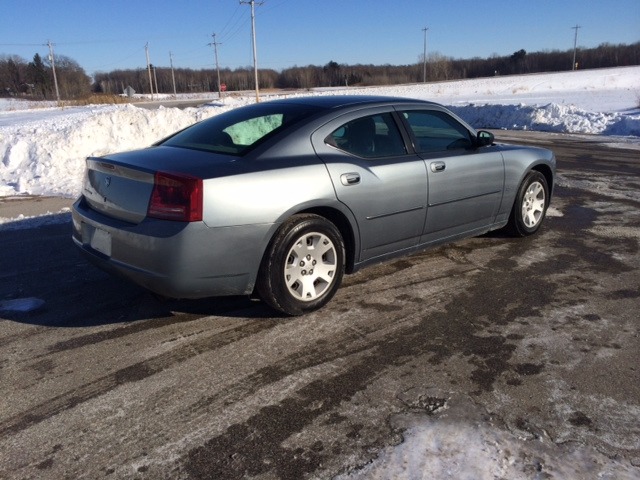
(107, 181)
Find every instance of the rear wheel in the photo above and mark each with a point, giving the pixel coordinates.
(530, 206)
(303, 265)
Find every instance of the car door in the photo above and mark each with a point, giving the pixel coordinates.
(373, 174)
(465, 184)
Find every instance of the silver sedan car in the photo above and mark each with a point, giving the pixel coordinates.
(284, 197)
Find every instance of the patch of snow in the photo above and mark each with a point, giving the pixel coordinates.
(462, 441)
(452, 450)
(22, 222)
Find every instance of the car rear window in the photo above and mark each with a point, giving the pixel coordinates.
(239, 131)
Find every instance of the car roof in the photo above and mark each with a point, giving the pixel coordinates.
(341, 101)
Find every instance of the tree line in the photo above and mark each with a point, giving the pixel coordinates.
(35, 80)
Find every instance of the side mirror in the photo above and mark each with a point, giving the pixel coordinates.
(484, 138)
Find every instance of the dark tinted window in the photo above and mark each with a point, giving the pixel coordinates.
(435, 131)
(239, 131)
(369, 137)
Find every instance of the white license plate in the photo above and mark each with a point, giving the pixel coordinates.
(100, 240)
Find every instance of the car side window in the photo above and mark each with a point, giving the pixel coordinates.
(436, 131)
(369, 137)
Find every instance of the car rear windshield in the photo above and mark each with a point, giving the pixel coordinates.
(239, 131)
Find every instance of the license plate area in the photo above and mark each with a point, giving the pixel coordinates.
(96, 238)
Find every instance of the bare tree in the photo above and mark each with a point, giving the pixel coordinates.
(12, 75)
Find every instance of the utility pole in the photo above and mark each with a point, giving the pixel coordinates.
(155, 77)
(575, 45)
(253, 35)
(424, 60)
(215, 49)
(53, 69)
(173, 76)
(146, 48)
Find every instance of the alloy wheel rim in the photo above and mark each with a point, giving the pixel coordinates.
(310, 267)
(533, 205)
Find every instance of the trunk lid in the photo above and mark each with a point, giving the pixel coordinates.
(120, 185)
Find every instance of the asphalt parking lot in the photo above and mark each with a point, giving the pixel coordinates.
(539, 337)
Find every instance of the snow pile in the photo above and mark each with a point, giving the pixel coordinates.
(42, 151)
(549, 118)
(46, 156)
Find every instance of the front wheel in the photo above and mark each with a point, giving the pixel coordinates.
(530, 206)
(303, 265)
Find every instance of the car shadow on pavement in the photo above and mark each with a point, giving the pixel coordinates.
(45, 281)
(130, 305)
(55, 286)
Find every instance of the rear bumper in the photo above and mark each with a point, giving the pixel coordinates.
(174, 259)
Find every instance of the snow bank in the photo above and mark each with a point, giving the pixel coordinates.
(549, 118)
(42, 150)
(45, 156)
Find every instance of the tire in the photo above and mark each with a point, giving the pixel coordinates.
(530, 206)
(303, 266)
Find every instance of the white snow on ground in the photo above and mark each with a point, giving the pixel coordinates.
(462, 450)
(42, 150)
(459, 440)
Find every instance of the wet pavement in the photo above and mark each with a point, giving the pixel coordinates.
(538, 337)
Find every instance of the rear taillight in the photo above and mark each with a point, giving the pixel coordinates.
(176, 197)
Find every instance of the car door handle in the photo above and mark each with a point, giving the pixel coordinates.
(348, 179)
(438, 167)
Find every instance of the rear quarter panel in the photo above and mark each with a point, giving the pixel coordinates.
(265, 196)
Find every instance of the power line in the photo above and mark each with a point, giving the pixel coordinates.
(20, 44)
(240, 22)
(223, 31)
(271, 7)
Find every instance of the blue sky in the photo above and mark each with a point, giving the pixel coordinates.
(111, 34)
